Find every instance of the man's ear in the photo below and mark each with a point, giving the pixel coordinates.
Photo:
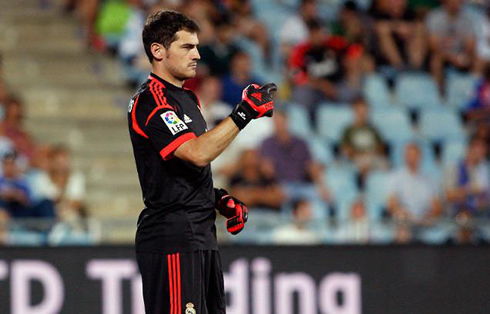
(158, 51)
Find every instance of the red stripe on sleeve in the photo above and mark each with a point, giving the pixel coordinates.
(170, 283)
(170, 148)
(178, 283)
(175, 284)
(134, 123)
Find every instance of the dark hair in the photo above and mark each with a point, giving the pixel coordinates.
(162, 26)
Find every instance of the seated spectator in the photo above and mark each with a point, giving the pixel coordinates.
(240, 76)
(298, 232)
(42, 195)
(478, 110)
(213, 109)
(451, 40)
(467, 231)
(467, 184)
(295, 29)
(325, 68)
(482, 32)
(66, 187)
(350, 25)
(13, 129)
(248, 26)
(216, 54)
(400, 38)
(356, 229)
(414, 197)
(14, 190)
(291, 159)
(361, 141)
(254, 184)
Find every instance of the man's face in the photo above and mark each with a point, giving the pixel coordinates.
(412, 156)
(362, 112)
(453, 6)
(182, 56)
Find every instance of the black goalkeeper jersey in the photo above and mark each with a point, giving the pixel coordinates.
(179, 210)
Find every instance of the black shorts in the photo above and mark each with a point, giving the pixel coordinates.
(182, 283)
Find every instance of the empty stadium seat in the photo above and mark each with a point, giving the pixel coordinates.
(321, 150)
(299, 120)
(460, 90)
(341, 181)
(440, 125)
(332, 120)
(393, 124)
(417, 91)
(376, 91)
(453, 151)
(378, 190)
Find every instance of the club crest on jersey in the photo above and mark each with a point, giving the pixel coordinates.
(174, 124)
(189, 308)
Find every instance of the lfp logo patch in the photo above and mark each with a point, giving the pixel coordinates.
(172, 121)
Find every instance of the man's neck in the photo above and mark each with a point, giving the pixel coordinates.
(167, 77)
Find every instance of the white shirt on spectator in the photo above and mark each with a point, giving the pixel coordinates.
(483, 39)
(453, 32)
(294, 31)
(414, 191)
(74, 190)
(291, 234)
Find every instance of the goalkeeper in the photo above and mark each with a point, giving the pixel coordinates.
(176, 247)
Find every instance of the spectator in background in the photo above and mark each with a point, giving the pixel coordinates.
(467, 185)
(240, 76)
(291, 159)
(356, 229)
(13, 129)
(295, 29)
(325, 68)
(361, 141)
(247, 25)
(400, 39)
(216, 55)
(213, 109)
(14, 190)
(478, 110)
(65, 186)
(451, 40)
(254, 184)
(298, 232)
(42, 194)
(350, 25)
(414, 197)
(482, 32)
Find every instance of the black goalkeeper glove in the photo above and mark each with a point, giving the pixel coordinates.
(234, 210)
(256, 102)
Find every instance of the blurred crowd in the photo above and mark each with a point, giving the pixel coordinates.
(41, 197)
(383, 122)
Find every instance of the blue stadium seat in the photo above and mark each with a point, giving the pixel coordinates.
(377, 193)
(417, 91)
(393, 124)
(376, 91)
(341, 181)
(460, 89)
(453, 151)
(332, 120)
(299, 120)
(440, 125)
(321, 150)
